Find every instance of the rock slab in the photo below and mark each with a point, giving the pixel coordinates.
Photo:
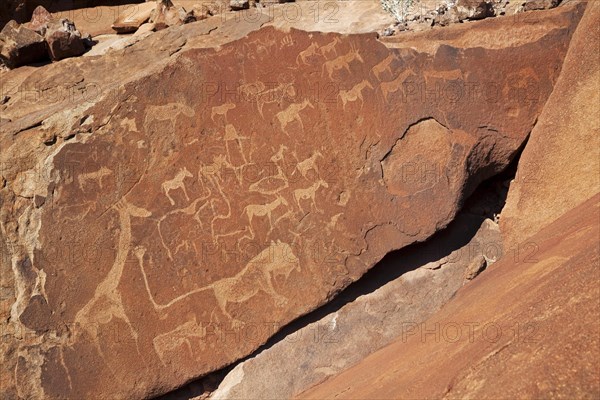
(217, 199)
(537, 336)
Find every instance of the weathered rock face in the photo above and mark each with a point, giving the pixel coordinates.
(21, 10)
(63, 40)
(559, 167)
(129, 21)
(167, 14)
(344, 337)
(527, 327)
(200, 208)
(20, 45)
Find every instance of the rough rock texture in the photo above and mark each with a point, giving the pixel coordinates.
(63, 40)
(344, 337)
(39, 20)
(21, 10)
(166, 14)
(20, 45)
(130, 20)
(560, 167)
(526, 328)
(171, 226)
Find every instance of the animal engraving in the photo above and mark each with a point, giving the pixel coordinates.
(355, 93)
(310, 164)
(308, 52)
(177, 183)
(168, 112)
(96, 175)
(275, 95)
(341, 62)
(221, 110)
(106, 303)
(396, 84)
(261, 210)
(382, 67)
(276, 260)
(330, 47)
(292, 113)
(309, 194)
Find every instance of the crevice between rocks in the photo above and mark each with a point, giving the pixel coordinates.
(486, 202)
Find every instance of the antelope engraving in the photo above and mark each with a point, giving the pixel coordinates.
(382, 67)
(309, 164)
(330, 47)
(355, 93)
(309, 193)
(221, 110)
(306, 53)
(177, 183)
(292, 113)
(395, 85)
(341, 62)
(261, 210)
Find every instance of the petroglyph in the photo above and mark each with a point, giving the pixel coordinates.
(250, 91)
(261, 210)
(395, 85)
(168, 112)
(177, 183)
(178, 337)
(192, 210)
(292, 113)
(275, 95)
(272, 184)
(221, 110)
(106, 303)
(257, 275)
(341, 62)
(330, 47)
(309, 193)
(310, 164)
(310, 51)
(83, 178)
(231, 134)
(383, 66)
(355, 93)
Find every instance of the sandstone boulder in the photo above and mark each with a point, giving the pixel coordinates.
(527, 327)
(540, 4)
(63, 40)
(474, 9)
(559, 167)
(20, 45)
(40, 20)
(133, 17)
(166, 14)
(237, 5)
(219, 200)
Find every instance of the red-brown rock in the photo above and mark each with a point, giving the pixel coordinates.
(559, 168)
(63, 40)
(526, 328)
(203, 205)
(20, 45)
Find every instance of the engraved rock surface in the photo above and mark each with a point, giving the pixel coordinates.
(342, 338)
(178, 221)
